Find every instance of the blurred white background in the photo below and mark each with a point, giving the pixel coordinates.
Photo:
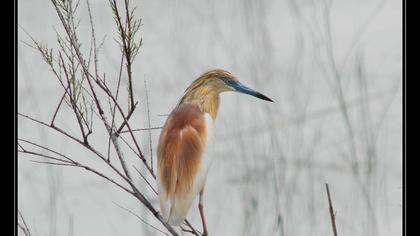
(272, 159)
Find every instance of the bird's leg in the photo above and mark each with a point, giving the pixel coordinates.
(200, 207)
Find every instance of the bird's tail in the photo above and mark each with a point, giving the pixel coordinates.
(178, 210)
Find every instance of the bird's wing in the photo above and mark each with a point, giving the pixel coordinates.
(181, 145)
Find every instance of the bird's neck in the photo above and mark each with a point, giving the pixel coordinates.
(207, 99)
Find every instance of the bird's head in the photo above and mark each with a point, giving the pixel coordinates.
(222, 81)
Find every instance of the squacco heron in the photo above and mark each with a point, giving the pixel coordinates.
(182, 161)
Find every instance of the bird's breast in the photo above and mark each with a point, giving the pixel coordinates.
(207, 157)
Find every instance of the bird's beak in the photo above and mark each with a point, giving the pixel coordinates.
(243, 89)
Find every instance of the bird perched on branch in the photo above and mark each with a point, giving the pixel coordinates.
(182, 161)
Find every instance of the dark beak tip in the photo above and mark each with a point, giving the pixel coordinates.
(270, 100)
(263, 97)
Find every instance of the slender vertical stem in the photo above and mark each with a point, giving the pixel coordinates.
(334, 227)
(149, 124)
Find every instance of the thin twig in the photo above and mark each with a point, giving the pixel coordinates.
(50, 162)
(24, 227)
(332, 214)
(143, 129)
(73, 163)
(116, 98)
(149, 123)
(144, 178)
(87, 146)
(92, 28)
(138, 217)
(27, 233)
(58, 107)
(192, 231)
(45, 148)
(127, 118)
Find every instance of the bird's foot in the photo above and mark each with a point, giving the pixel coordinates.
(205, 234)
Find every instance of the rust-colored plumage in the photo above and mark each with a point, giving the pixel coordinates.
(180, 150)
(180, 147)
(183, 162)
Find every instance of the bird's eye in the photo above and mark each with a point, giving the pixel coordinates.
(226, 80)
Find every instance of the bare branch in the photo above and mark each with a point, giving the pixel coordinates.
(67, 63)
(70, 162)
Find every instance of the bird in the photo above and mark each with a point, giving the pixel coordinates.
(186, 136)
